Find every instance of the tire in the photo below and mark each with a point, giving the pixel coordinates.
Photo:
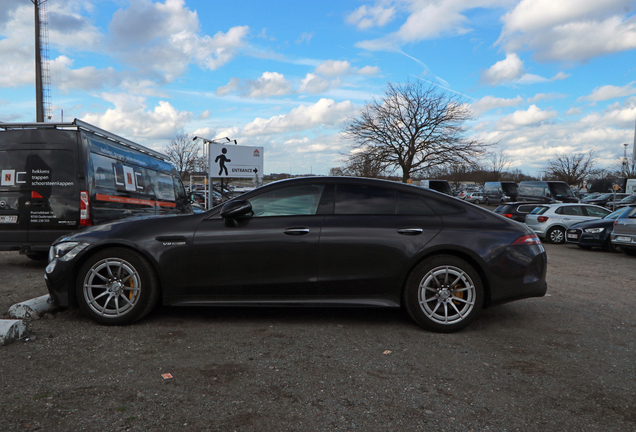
(38, 256)
(611, 247)
(629, 251)
(116, 286)
(477, 202)
(556, 235)
(487, 202)
(436, 306)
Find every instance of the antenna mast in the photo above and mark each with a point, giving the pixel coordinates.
(42, 72)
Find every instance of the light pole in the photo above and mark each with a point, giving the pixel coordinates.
(207, 159)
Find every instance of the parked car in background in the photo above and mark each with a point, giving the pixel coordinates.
(594, 233)
(500, 192)
(624, 234)
(615, 205)
(546, 192)
(330, 241)
(475, 197)
(603, 199)
(516, 211)
(550, 221)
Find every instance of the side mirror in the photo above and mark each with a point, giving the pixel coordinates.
(236, 209)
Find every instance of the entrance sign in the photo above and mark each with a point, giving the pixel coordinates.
(228, 161)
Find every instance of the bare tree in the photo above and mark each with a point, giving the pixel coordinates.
(184, 154)
(365, 163)
(499, 163)
(571, 169)
(414, 128)
(626, 167)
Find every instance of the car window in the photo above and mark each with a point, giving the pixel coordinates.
(411, 204)
(598, 212)
(289, 201)
(369, 200)
(570, 210)
(616, 214)
(525, 208)
(539, 210)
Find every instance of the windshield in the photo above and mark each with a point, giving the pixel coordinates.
(560, 190)
(510, 188)
(605, 196)
(629, 199)
(616, 214)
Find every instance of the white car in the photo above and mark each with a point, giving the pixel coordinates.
(550, 221)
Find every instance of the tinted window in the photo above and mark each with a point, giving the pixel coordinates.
(355, 199)
(525, 208)
(410, 204)
(539, 210)
(289, 201)
(560, 190)
(599, 212)
(570, 211)
(509, 188)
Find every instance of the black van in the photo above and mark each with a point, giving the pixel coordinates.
(61, 177)
(500, 192)
(546, 192)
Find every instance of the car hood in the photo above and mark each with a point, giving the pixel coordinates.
(130, 228)
(598, 223)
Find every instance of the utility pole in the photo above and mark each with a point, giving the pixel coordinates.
(42, 79)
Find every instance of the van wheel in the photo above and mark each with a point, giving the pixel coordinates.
(443, 293)
(116, 286)
(38, 256)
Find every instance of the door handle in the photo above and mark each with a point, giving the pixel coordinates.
(410, 231)
(296, 231)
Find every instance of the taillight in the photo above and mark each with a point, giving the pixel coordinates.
(508, 215)
(529, 239)
(36, 195)
(542, 219)
(85, 214)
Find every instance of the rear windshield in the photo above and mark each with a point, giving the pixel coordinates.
(539, 210)
(500, 209)
(510, 188)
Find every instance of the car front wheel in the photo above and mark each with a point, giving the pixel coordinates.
(116, 286)
(477, 202)
(444, 294)
(556, 235)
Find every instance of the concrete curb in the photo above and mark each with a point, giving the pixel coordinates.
(11, 330)
(33, 308)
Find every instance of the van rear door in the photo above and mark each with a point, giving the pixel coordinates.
(53, 206)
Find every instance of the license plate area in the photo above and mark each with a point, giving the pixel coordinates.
(624, 239)
(573, 235)
(9, 219)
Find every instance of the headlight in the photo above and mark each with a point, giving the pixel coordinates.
(66, 251)
(594, 230)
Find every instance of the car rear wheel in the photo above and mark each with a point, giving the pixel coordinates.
(556, 235)
(117, 286)
(444, 294)
(477, 202)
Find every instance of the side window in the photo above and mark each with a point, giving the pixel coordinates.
(289, 201)
(598, 212)
(546, 192)
(410, 204)
(367, 200)
(572, 210)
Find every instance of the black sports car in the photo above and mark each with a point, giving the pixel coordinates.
(319, 241)
(595, 233)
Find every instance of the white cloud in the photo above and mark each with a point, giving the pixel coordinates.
(569, 30)
(545, 96)
(325, 112)
(512, 71)
(607, 92)
(369, 70)
(269, 84)
(531, 117)
(131, 118)
(366, 17)
(313, 84)
(169, 41)
(488, 103)
(331, 68)
(504, 71)
(426, 20)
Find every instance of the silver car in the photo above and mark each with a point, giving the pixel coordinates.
(549, 221)
(475, 197)
(624, 233)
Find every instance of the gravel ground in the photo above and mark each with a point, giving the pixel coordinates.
(564, 362)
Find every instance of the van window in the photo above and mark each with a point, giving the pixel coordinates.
(510, 188)
(561, 190)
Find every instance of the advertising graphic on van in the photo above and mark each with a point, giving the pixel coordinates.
(60, 177)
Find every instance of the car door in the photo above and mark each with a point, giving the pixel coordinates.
(272, 253)
(366, 244)
(572, 214)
